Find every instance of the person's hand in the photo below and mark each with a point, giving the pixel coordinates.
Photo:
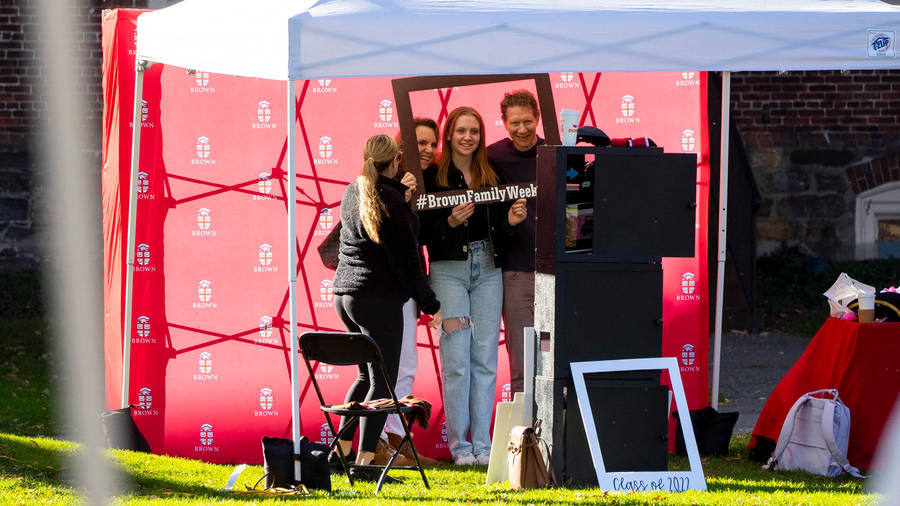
(460, 214)
(409, 179)
(517, 212)
(435, 319)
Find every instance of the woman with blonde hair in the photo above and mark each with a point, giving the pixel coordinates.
(378, 271)
(427, 134)
(465, 250)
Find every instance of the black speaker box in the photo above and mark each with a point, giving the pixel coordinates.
(632, 428)
(589, 311)
(642, 205)
(629, 415)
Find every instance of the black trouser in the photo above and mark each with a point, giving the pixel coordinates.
(382, 320)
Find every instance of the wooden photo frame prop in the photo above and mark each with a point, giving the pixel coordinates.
(404, 86)
(640, 481)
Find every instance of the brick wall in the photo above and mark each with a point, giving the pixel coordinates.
(18, 103)
(815, 141)
(20, 74)
(21, 114)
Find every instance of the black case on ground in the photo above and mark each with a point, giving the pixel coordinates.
(120, 431)
(712, 431)
(278, 463)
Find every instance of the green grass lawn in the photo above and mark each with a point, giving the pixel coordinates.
(35, 469)
(25, 378)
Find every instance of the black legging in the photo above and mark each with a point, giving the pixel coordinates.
(382, 320)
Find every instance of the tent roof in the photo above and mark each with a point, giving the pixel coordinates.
(304, 39)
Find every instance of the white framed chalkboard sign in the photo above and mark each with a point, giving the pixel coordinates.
(639, 481)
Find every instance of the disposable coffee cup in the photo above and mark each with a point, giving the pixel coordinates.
(568, 122)
(866, 310)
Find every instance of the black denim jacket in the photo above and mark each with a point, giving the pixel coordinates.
(444, 242)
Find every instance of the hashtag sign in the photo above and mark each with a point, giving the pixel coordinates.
(503, 193)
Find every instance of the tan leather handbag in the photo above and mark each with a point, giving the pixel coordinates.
(527, 466)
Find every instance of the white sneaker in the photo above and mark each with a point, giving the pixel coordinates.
(464, 459)
(483, 459)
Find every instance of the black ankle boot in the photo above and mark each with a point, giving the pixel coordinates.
(334, 460)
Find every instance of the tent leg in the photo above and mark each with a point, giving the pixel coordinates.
(723, 229)
(529, 337)
(292, 270)
(139, 69)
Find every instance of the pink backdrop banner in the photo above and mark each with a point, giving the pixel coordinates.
(210, 353)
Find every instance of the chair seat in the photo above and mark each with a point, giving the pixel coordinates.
(366, 412)
(352, 348)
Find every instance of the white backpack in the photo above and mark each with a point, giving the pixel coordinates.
(815, 436)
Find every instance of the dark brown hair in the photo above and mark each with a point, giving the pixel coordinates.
(519, 98)
(417, 122)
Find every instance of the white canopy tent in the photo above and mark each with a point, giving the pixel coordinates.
(291, 40)
(305, 39)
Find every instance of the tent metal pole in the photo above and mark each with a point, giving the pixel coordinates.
(528, 373)
(139, 68)
(292, 267)
(723, 229)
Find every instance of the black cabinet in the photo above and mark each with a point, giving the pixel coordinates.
(597, 311)
(613, 205)
(628, 405)
(605, 217)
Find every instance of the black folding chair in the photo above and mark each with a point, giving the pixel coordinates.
(347, 348)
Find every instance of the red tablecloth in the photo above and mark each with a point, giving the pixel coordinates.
(861, 360)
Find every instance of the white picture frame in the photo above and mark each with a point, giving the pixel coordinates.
(639, 481)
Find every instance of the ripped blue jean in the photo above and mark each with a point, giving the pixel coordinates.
(471, 288)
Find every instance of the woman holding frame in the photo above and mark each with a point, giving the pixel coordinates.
(465, 249)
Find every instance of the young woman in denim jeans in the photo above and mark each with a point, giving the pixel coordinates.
(465, 250)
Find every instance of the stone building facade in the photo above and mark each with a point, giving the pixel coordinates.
(825, 152)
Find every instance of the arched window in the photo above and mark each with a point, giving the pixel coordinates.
(878, 222)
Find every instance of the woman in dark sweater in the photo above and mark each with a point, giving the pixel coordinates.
(378, 271)
(463, 250)
(427, 134)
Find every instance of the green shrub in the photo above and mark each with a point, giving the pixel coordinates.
(790, 284)
(21, 294)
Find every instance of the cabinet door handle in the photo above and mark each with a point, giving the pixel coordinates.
(659, 322)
